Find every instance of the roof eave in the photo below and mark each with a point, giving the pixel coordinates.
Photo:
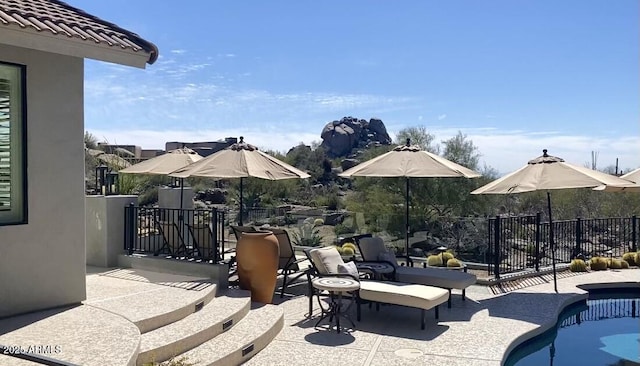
(45, 41)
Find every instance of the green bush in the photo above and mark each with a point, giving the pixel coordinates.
(318, 222)
(624, 264)
(148, 197)
(615, 264)
(343, 229)
(630, 258)
(578, 265)
(598, 264)
(339, 249)
(434, 261)
(453, 263)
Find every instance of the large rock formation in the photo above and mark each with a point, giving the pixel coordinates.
(340, 137)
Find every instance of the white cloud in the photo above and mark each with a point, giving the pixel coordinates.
(441, 117)
(178, 52)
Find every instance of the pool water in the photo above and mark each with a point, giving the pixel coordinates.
(604, 331)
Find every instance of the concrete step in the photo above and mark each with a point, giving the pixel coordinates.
(242, 341)
(217, 316)
(158, 305)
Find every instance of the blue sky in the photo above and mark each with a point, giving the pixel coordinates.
(515, 76)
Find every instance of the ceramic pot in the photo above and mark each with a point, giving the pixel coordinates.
(257, 256)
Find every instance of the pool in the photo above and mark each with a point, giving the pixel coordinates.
(601, 331)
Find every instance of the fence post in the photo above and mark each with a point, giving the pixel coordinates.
(634, 233)
(537, 253)
(214, 233)
(496, 248)
(578, 249)
(130, 215)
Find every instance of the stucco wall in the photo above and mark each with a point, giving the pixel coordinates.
(42, 263)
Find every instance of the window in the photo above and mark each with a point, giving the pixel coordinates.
(13, 178)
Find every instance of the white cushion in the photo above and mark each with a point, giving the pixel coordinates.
(416, 296)
(326, 259)
(348, 268)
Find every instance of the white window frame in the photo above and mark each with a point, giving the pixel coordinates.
(13, 141)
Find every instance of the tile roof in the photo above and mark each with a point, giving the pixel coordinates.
(63, 20)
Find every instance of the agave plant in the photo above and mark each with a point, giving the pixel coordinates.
(307, 235)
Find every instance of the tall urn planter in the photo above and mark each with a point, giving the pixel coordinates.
(257, 256)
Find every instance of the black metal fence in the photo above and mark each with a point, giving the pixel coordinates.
(522, 243)
(179, 233)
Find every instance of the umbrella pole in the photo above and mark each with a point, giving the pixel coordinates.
(240, 219)
(406, 218)
(553, 245)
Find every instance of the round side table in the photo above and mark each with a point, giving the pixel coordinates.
(336, 286)
(380, 269)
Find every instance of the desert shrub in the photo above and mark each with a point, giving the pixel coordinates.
(624, 264)
(598, 263)
(615, 264)
(148, 197)
(318, 222)
(434, 261)
(307, 235)
(630, 258)
(453, 263)
(578, 265)
(343, 229)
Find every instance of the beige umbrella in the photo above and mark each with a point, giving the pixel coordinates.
(633, 186)
(546, 173)
(165, 164)
(240, 160)
(409, 162)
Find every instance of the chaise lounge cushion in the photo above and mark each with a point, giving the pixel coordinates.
(373, 248)
(440, 277)
(416, 296)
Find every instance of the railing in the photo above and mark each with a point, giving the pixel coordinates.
(605, 309)
(521, 243)
(179, 233)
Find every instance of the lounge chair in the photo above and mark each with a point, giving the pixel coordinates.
(288, 263)
(172, 238)
(327, 262)
(373, 249)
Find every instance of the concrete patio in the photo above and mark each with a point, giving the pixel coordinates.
(130, 312)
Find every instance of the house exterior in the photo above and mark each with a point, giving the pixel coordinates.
(43, 44)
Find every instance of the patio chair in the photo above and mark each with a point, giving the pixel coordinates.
(203, 242)
(238, 230)
(327, 262)
(373, 249)
(288, 263)
(172, 238)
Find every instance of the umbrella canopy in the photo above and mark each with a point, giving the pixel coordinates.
(634, 186)
(165, 163)
(548, 172)
(409, 162)
(240, 160)
(633, 176)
